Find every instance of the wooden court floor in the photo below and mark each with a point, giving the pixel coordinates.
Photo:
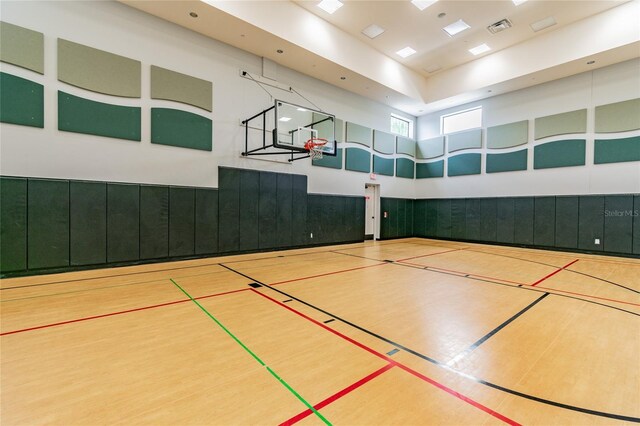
(407, 332)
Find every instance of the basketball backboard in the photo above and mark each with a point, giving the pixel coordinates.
(295, 125)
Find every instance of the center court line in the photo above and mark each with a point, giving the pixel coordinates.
(336, 396)
(396, 364)
(553, 273)
(439, 363)
(250, 352)
(175, 302)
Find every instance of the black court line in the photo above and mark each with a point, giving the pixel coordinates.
(566, 270)
(329, 320)
(494, 331)
(443, 365)
(485, 280)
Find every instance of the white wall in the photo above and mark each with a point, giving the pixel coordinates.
(122, 30)
(602, 86)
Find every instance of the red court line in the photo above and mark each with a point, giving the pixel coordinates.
(336, 396)
(116, 313)
(430, 254)
(553, 273)
(462, 274)
(328, 273)
(395, 363)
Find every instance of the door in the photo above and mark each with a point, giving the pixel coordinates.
(371, 204)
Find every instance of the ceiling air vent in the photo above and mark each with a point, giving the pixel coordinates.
(499, 26)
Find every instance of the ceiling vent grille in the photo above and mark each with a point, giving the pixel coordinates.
(499, 26)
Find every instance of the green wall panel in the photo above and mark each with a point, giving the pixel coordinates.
(465, 140)
(182, 205)
(284, 215)
(154, 222)
(47, 223)
(79, 115)
(299, 234)
(508, 162)
(544, 230)
(618, 117)
(464, 164)
(474, 218)
(523, 220)
(489, 219)
(206, 241)
(406, 146)
(508, 135)
(443, 228)
(358, 160)
(88, 223)
(268, 209)
(21, 101)
(430, 148)
(561, 124)
(566, 222)
(123, 222)
(618, 224)
(180, 128)
(458, 218)
(430, 170)
(174, 86)
(431, 223)
(565, 153)
(97, 70)
(332, 162)
(505, 225)
(249, 209)
(383, 166)
(13, 224)
(229, 209)
(591, 222)
(617, 150)
(405, 168)
(358, 134)
(383, 142)
(22, 47)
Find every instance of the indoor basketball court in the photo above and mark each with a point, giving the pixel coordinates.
(239, 213)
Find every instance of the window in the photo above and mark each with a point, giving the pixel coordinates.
(400, 126)
(461, 120)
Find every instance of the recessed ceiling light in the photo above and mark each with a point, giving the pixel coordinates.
(301, 109)
(543, 23)
(373, 31)
(330, 6)
(591, 62)
(406, 52)
(285, 119)
(456, 27)
(343, 78)
(441, 15)
(280, 51)
(193, 14)
(518, 2)
(480, 49)
(423, 4)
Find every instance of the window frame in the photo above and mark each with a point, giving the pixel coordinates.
(463, 111)
(400, 118)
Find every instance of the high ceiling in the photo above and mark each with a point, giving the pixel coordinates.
(442, 72)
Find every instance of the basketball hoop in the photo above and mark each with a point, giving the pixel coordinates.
(314, 146)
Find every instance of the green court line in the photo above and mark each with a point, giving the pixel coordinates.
(273, 373)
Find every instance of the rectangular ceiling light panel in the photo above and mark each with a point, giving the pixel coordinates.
(373, 31)
(330, 6)
(423, 4)
(455, 28)
(406, 52)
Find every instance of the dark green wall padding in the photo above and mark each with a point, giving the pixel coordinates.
(563, 222)
(358, 160)
(180, 128)
(398, 222)
(79, 115)
(405, 168)
(383, 166)
(464, 164)
(430, 170)
(508, 162)
(49, 225)
(330, 161)
(21, 101)
(13, 224)
(565, 153)
(617, 150)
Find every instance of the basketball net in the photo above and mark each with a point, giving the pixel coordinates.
(314, 146)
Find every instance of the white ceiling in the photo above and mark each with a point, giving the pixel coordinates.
(329, 47)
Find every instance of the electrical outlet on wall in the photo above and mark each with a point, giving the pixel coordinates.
(597, 241)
